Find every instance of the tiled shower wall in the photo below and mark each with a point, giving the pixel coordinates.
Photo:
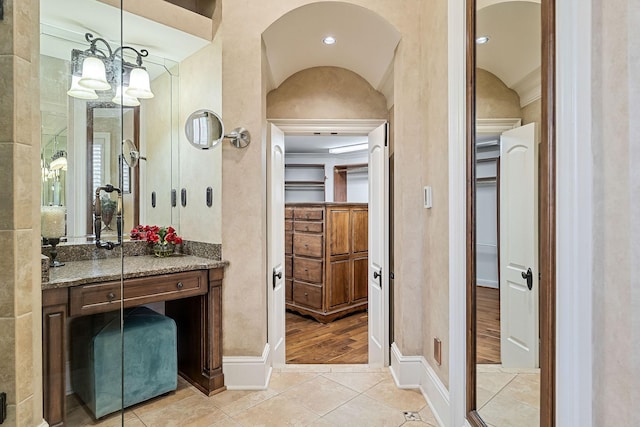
(20, 324)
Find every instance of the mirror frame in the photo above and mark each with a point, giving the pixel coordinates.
(547, 217)
(135, 183)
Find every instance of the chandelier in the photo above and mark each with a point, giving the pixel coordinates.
(106, 69)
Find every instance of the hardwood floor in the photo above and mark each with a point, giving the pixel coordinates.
(488, 325)
(341, 341)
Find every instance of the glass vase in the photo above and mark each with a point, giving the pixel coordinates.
(162, 250)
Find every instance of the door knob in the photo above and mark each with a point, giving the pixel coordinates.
(378, 275)
(529, 277)
(277, 275)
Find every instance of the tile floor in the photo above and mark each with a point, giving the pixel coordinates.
(298, 395)
(508, 397)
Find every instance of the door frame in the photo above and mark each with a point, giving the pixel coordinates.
(547, 217)
(324, 126)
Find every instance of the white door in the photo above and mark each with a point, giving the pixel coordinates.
(275, 238)
(378, 254)
(519, 247)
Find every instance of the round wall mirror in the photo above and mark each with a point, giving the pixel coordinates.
(204, 129)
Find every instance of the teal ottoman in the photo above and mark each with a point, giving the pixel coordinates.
(150, 359)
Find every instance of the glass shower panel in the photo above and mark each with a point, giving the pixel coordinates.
(84, 210)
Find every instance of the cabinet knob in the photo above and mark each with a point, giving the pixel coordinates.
(306, 246)
(306, 294)
(306, 270)
(179, 285)
(111, 296)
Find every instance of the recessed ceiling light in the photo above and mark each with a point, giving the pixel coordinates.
(482, 40)
(329, 40)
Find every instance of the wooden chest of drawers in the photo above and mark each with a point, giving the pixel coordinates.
(326, 259)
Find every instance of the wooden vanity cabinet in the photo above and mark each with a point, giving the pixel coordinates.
(192, 298)
(326, 267)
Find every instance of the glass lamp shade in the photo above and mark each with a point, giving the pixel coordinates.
(94, 75)
(139, 86)
(78, 91)
(125, 99)
(59, 163)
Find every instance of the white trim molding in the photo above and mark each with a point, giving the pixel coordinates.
(457, 213)
(327, 126)
(529, 88)
(247, 372)
(411, 372)
(574, 186)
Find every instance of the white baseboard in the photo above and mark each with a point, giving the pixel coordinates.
(43, 424)
(247, 372)
(415, 372)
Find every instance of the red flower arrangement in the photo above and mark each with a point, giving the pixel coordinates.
(154, 234)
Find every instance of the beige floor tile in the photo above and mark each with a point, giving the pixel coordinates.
(404, 400)
(364, 411)
(524, 388)
(483, 396)
(194, 410)
(493, 381)
(281, 381)
(162, 401)
(358, 381)
(504, 411)
(321, 422)
(277, 411)
(356, 368)
(320, 395)
(427, 416)
(80, 415)
(232, 402)
(416, 424)
(304, 368)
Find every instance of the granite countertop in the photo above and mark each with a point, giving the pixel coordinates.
(102, 270)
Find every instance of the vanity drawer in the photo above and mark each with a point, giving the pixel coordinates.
(98, 298)
(309, 295)
(311, 227)
(307, 270)
(308, 213)
(307, 245)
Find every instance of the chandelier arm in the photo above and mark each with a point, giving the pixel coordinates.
(89, 37)
(139, 53)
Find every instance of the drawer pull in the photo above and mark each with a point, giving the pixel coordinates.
(306, 246)
(306, 270)
(111, 296)
(180, 285)
(306, 294)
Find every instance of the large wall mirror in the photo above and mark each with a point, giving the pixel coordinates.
(82, 140)
(108, 126)
(507, 343)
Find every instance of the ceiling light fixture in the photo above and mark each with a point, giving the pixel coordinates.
(106, 69)
(329, 40)
(482, 40)
(349, 148)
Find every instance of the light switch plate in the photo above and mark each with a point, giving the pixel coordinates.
(428, 199)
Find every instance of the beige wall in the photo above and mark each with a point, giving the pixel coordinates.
(420, 131)
(616, 220)
(493, 98)
(155, 173)
(20, 325)
(532, 113)
(435, 235)
(201, 88)
(326, 93)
